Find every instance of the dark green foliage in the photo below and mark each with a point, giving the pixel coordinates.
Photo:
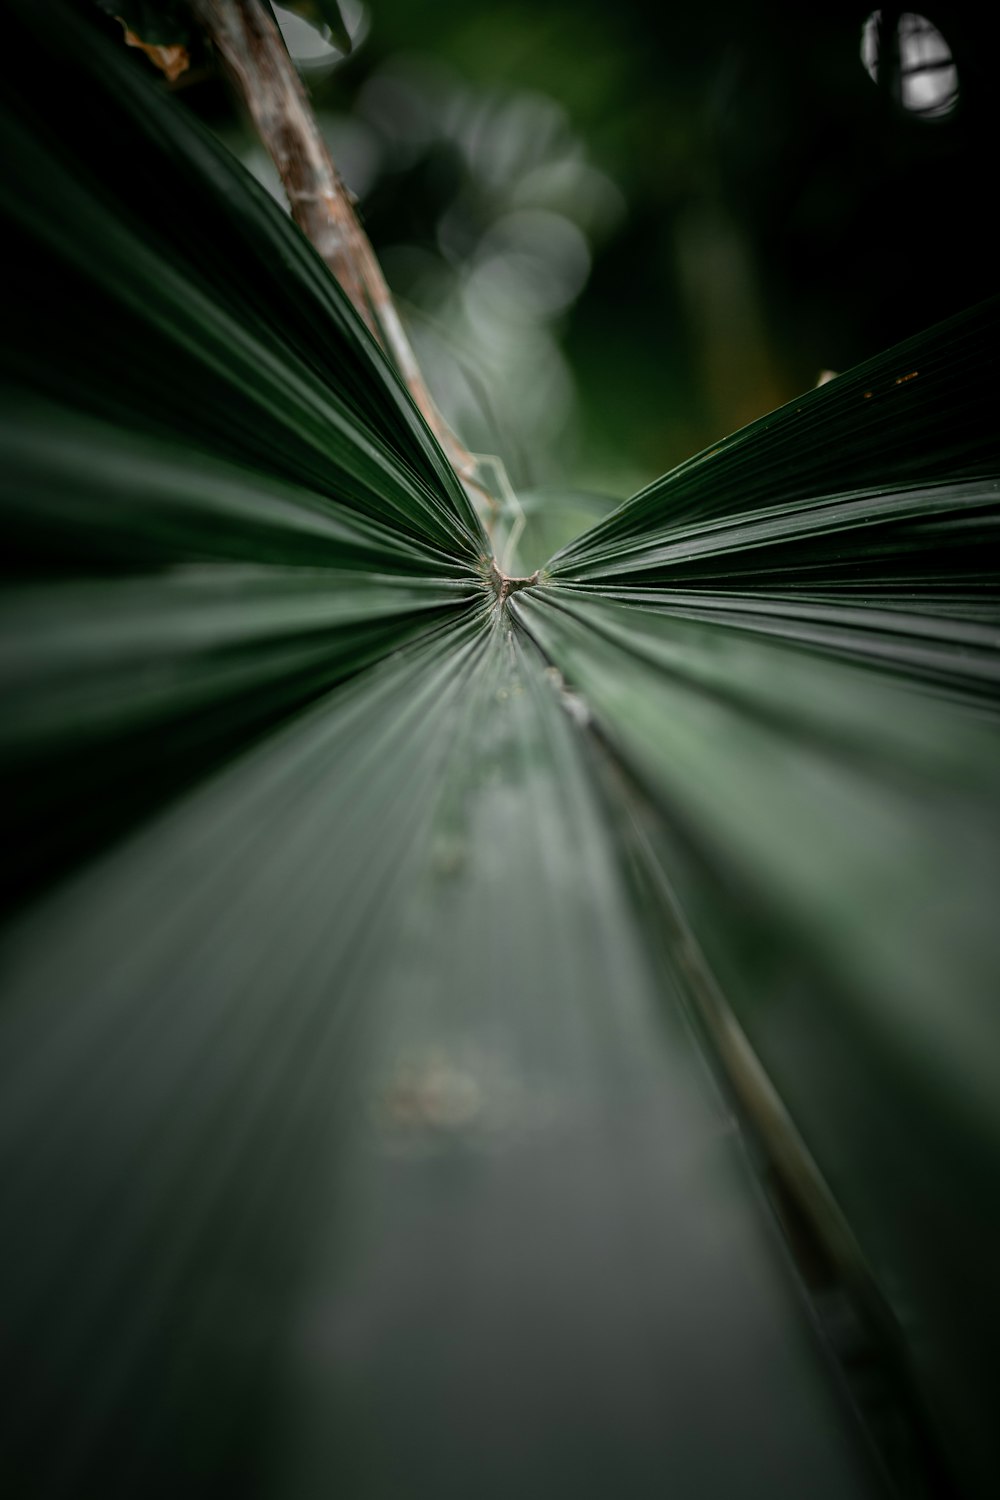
(368, 938)
(159, 23)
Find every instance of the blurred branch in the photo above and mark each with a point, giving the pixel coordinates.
(254, 54)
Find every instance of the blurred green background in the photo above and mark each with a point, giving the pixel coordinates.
(619, 232)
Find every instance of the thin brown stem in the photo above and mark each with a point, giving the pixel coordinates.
(252, 50)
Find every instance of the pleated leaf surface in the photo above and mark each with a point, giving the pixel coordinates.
(412, 1000)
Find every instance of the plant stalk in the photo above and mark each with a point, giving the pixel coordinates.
(254, 54)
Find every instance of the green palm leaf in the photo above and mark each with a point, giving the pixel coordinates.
(368, 936)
